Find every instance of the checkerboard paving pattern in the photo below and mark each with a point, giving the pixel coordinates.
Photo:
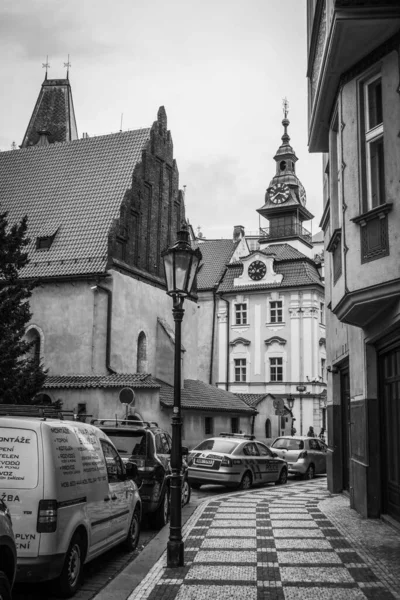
(267, 544)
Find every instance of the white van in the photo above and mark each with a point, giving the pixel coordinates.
(69, 497)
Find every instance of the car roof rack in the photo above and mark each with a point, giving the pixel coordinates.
(32, 410)
(243, 436)
(123, 423)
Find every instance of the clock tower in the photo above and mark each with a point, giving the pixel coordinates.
(285, 200)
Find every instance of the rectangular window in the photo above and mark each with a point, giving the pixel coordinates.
(234, 425)
(374, 168)
(208, 425)
(276, 311)
(240, 369)
(240, 314)
(322, 313)
(276, 369)
(323, 366)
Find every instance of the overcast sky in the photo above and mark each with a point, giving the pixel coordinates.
(220, 67)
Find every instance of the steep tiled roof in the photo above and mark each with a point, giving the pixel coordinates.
(216, 255)
(77, 185)
(295, 273)
(135, 380)
(251, 399)
(53, 113)
(197, 395)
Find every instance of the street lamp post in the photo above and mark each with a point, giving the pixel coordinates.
(181, 264)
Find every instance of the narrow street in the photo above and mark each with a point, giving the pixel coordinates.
(106, 567)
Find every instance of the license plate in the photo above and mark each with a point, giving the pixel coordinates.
(204, 461)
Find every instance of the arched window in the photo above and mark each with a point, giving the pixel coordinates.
(142, 353)
(33, 337)
(268, 428)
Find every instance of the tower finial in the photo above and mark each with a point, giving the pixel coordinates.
(285, 105)
(46, 65)
(68, 65)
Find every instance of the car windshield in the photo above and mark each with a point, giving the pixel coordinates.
(132, 443)
(218, 445)
(288, 444)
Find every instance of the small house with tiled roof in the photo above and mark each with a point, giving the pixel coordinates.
(262, 311)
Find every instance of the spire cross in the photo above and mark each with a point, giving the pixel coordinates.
(68, 65)
(285, 105)
(46, 65)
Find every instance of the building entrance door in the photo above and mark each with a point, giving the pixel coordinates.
(390, 420)
(345, 403)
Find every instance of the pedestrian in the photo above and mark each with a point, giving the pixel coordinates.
(322, 434)
(310, 432)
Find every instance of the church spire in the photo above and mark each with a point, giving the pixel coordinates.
(53, 113)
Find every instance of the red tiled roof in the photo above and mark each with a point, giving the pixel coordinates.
(135, 380)
(78, 185)
(197, 395)
(216, 255)
(252, 399)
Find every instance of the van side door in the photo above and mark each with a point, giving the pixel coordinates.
(120, 493)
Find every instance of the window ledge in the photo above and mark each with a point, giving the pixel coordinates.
(334, 241)
(377, 212)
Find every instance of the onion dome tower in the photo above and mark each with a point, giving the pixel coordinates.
(285, 198)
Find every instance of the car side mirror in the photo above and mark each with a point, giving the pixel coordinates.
(274, 455)
(185, 450)
(131, 470)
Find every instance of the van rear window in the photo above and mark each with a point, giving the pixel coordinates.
(18, 458)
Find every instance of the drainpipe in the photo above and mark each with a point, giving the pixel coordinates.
(227, 341)
(96, 287)
(212, 336)
(213, 324)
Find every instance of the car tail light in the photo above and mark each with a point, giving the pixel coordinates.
(226, 462)
(47, 516)
(303, 454)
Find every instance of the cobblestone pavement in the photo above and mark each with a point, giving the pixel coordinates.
(285, 543)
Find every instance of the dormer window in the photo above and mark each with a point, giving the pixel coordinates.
(46, 236)
(44, 243)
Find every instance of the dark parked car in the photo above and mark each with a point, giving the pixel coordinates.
(8, 553)
(149, 447)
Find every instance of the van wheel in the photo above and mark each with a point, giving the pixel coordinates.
(71, 575)
(161, 515)
(5, 591)
(132, 539)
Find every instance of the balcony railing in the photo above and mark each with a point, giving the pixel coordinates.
(286, 231)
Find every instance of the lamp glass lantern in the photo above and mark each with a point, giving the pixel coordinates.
(181, 263)
(290, 401)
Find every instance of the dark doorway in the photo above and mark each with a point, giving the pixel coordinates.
(345, 403)
(390, 420)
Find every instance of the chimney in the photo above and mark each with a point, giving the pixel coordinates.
(238, 233)
(43, 138)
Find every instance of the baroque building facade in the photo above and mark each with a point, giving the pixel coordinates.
(262, 313)
(354, 121)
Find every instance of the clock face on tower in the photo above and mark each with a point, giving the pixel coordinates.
(302, 194)
(257, 270)
(279, 193)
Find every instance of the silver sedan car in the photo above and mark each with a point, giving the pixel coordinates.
(234, 460)
(305, 456)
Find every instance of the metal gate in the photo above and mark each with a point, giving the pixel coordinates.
(390, 430)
